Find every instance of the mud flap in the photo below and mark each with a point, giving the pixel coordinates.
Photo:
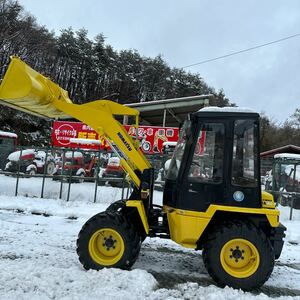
(277, 239)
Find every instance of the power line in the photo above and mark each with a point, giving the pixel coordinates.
(241, 51)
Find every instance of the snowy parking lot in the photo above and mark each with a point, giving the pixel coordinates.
(38, 257)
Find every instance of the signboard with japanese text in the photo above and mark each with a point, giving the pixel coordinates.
(63, 131)
(151, 137)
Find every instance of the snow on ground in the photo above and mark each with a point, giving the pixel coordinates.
(38, 257)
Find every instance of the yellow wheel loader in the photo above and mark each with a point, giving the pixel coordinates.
(212, 199)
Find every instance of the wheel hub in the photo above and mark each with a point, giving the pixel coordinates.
(106, 246)
(109, 242)
(239, 258)
(237, 253)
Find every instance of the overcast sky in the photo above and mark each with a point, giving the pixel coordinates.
(187, 32)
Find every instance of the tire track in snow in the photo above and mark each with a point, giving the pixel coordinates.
(169, 265)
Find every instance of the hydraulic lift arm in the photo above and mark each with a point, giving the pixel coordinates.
(25, 89)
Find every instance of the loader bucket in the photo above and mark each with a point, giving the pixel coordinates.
(24, 89)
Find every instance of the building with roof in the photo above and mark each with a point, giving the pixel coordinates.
(267, 157)
(169, 112)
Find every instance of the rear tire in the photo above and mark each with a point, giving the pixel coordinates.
(239, 255)
(50, 167)
(108, 240)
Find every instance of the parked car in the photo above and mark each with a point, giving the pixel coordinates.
(30, 161)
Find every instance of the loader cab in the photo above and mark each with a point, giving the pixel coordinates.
(216, 161)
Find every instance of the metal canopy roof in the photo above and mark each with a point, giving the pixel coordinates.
(284, 149)
(169, 112)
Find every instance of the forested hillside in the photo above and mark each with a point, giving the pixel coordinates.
(91, 69)
(87, 68)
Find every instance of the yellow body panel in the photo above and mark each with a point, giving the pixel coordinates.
(27, 90)
(141, 210)
(187, 226)
(267, 200)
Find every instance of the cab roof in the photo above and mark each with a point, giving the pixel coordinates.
(224, 112)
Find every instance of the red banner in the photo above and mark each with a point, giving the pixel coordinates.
(151, 137)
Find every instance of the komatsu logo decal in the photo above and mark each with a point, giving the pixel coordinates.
(124, 141)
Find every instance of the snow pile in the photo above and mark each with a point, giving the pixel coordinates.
(75, 154)
(70, 283)
(226, 109)
(85, 141)
(287, 156)
(293, 226)
(114, 161)
(38, 257)
(8, 134)
(15, 156)
(82, 192)
(194, 291)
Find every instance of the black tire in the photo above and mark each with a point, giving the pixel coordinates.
(120, 207)
(116, 184)
(114, 222)
(226, 234)
(116, 206)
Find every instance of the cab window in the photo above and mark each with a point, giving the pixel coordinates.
(207, 163)
(244, 159)
(179, 151)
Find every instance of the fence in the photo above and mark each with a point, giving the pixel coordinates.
(40, 162)
(68, 166)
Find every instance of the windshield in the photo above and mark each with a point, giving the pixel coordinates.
(179, 150)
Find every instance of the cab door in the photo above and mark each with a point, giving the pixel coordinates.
(202, 181)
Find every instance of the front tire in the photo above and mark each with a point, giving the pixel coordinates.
(80, 179)
(239, 255)
(31, 172)
(108, 240)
